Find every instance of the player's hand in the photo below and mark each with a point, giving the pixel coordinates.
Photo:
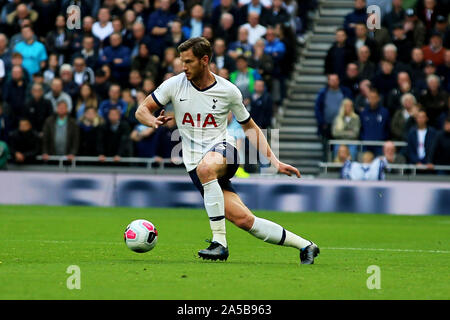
(161, 119)
(288, 169)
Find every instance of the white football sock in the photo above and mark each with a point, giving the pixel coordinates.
(215, 207)
(271, 232)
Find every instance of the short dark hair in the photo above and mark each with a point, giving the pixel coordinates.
(200, 47)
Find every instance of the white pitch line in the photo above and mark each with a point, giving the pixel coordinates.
(325, 248)
(392, 250)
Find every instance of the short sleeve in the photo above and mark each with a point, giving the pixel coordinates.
(237, 107)
(164, 93)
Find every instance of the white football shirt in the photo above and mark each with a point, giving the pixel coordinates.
(201, 114)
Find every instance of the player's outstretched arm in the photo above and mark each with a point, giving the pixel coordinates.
(144, 113)
(259, 141)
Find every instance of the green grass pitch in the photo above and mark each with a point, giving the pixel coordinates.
(39, 243)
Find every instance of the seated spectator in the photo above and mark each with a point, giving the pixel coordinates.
(103, 28)
(88, 52)
(149, 142)
(434, 100)
(59, 39)
(158, 26)
(403, 86)
(443, 71)
(277, 14)
(114, 137)
(146, 63)
(69, 85)
(402, 42)
(385, 79)
(375, 121)
(101, 85)
(89, 124)
(81, 72)
(434, 51)
(404, 118)
(208, 33)
(253, 6)
(362, 39)
(339, 55)
(346, 126)
(14, 95)
(370, 168)
(33, 52)
(415, 29)
(244, 78)
(176, 36)
(52, 70)
(440, 151)
(390, 154)
(366, 68)
(442, 27)
(417, 65)
(227, 28)
(24, 143)
(118, 57)
(352, 79)
(262, 62)
(225, 6)
(427, 11)
(37, 108)
(390, 53)
(328, 103)
(61, 135)
(56, 94)
(420, 140)
(220, 58)
(261, 105)
(362, 99)
(21, 13)
(255, 30)
(170, 54)
(358, 15)
(193, 26)
(86, 99)
(114, 102)
(342, 154)
(241, 46)
(394, 16)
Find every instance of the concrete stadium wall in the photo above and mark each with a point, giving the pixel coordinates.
(284, 194)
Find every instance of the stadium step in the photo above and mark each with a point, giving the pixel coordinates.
(298, 121)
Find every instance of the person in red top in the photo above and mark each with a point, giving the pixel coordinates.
(435, 51)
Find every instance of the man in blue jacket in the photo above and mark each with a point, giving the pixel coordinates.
(374, 121)
(118, 57)
(158, 27)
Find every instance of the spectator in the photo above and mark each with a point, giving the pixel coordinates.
(342, 154)
(440, 151)
(404, 118)
(358, 15)
(82, 73)
(37, 108)
(220, 58)
(362, 39)
(241, 46)
(193, 26)
(60, 134)
(114, 102)
(14, 94)
(366, 68)
(362, 99)
(395, 16)
(255, 29)
(374, 121)
(402, 43)
(32, 51)
(69, 85)
(118, 57)
(443, 71)
(415, 29)
(86, 99)
(88, 52)
(226, 29)
(21, 13)
(56, 94)
(427, 12)
(403, 86)
(262, 62)
(277, 14)
(352, 79)
(86, 31)
(443, 28)
(89, 124)
(101, 85)
(158, 26)
(339, 55)
(176, 36)
(390, 154)
(261, 105)
(103, 28)
(47, 11)
(390, 53)
(225, 6)
(147, 64)
(417, 65)
(328, 103)
(244, 78)
(434, 100)
(276, 49)
(24, 143)
(346, 126)
(420, 140)
(435, 51)
(113, 137)
(385, 79)
(138, 37)
(5, 53)
(369, 169)
(253, 6)
(59, 40)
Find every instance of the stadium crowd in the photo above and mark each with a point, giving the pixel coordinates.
(71, 87)
(390, 83)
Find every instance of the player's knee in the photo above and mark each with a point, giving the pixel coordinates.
(205, 173)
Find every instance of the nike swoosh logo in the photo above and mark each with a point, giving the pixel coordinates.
(183, 99)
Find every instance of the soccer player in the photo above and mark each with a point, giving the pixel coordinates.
(201, 101)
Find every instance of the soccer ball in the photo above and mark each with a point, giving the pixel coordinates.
(140, 236)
